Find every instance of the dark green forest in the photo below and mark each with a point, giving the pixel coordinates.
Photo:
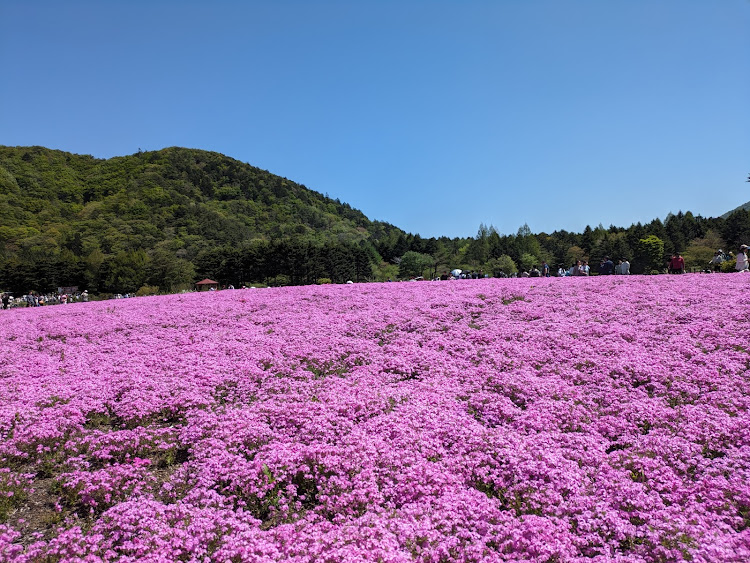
(159, 221)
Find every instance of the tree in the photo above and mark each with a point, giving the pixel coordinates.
(573, 254)
(495, 243)
(527, 261)
(650, 255)
(168, 272)
(479, 248)
(527, 243)
(362, 264)
(92, 271)
(700, 251)
(587, 239)
(339, 263)
(413, 264)
(127, 272)
(736, 230)
(675, 235)
(503, 264)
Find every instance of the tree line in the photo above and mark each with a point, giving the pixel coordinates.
(646, 246)
(298, 261)
(160, 221)
(281, 262)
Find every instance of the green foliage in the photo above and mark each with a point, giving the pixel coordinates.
(147, 290)
(651, 253)
(164, 218)
(414, 264)
(701, 250)
(526, 261)
(170, 217)
(385, 271)
(736, 229)
(729, 266)
(479, 247)
(573, 254)
(504, 264)
(12, 492)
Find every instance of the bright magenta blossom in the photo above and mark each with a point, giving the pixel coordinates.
(576, 419)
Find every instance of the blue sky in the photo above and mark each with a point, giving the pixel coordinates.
(435, 116)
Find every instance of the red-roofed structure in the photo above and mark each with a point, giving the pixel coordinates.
(206, 285)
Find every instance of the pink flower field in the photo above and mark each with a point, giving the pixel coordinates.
(575, 419)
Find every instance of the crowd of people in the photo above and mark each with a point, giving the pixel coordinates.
(716, 264)
(32, 299)
(606, 268)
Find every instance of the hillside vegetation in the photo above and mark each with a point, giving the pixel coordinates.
(158, 218)
(159, 221)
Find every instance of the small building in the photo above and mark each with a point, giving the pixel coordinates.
(207, 285)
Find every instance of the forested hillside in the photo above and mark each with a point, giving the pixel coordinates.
(162, 218)
(159, 221)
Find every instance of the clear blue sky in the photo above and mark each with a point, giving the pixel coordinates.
(432, 115)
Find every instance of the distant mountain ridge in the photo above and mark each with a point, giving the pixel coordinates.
(194, 192)
(743, 207)
(64, 215)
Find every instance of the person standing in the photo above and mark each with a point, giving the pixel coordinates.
(742, 262)
(607, 267)
(625, 267)
(677, 264)
(717, 261)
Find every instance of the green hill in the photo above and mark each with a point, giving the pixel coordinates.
(743, 207)
(170, 215)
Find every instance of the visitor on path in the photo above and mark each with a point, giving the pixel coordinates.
(716, 262)
(607, 267)
(545, 270)
(6, 301)
(677, 264)
(625, 267)
(742, 263)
